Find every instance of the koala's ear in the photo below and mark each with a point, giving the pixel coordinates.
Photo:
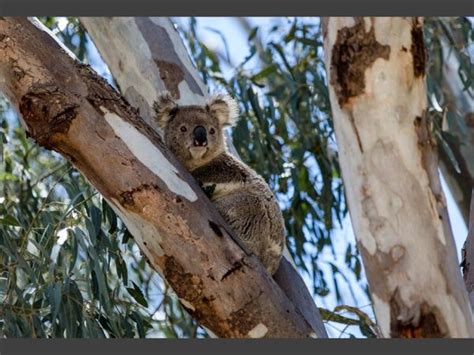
(165, 107)
(224, 107)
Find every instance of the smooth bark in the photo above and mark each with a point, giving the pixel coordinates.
(376, 74)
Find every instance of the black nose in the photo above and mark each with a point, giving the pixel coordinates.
(200, 136)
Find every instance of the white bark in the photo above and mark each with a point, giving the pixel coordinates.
(145, 56)
(388, 159)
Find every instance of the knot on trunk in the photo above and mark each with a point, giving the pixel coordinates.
(47, 112)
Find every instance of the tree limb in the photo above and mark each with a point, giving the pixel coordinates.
(376, 71)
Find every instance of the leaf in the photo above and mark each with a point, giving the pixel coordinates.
(9, 220)
(55, 299)
(137, 294)
(110, 216)
(140, 324)
(121, 269)
(329, 316)
(126, 237)
(264, 73)
(449, 152)
(224, 41)
(74, 251)
(252, 34)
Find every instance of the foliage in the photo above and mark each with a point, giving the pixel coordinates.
(452, 39)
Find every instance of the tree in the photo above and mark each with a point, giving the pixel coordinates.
(68, 108)
(376, 73)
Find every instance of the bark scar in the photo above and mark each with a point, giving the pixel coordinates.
(418, 49)
(237, 266)
(417, 321)
(48, 112)
(356, 131)
(172, 69)
(127, 197)
(354, 51)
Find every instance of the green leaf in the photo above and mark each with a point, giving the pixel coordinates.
(9, 220)
(252, 34)
(264, 73)
(137, 294)
(55, 299)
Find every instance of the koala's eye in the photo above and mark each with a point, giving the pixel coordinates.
(183, 129)
(212, 131)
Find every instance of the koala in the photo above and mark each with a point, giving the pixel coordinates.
(195, 134)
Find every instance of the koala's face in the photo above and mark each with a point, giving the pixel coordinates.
(195, 133)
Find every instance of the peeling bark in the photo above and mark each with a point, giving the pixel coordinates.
(417, 47)
(67, 107)
(149, 56)
(355, 49)
(389, 164)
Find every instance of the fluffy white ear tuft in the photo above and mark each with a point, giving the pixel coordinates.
(224, 108)
(164, 107)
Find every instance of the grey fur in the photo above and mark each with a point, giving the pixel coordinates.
(240, 195)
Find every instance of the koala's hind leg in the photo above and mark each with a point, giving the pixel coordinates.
(257, 222)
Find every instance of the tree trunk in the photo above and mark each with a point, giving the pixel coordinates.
(67, 107)
(145, 56)
(376, 71)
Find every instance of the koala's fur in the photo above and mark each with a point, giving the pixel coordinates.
(240, 195)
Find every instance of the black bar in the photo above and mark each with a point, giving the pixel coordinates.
(237, 347)
(237, 7)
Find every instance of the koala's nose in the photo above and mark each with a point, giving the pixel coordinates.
(200, 136)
